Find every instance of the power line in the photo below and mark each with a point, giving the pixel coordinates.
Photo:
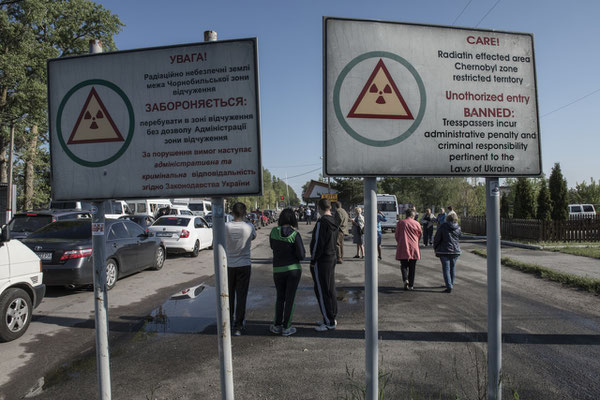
(295, 166)
(461, 13)
(571, 103)
(305, 173)
(486, 14)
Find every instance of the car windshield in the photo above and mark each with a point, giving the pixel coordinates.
(588, 208)
(65, 230)
(196, 206)
(29, 222)
(386, 206)
(171, 221)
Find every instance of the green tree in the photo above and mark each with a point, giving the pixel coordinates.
(350, 191)
(558, 194)
(32, 31)
(585, 193)
(524, 205)
(544, 205)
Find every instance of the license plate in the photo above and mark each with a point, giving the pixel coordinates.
(164, 234)
(44, 256)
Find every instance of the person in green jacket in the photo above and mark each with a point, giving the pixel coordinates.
(288, 251)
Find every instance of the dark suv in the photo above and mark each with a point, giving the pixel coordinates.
(22, 224)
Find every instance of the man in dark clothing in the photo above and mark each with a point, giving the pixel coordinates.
(322, 265)
(341, 220)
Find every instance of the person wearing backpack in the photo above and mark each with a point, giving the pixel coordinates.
(447, 248)
(288, 251)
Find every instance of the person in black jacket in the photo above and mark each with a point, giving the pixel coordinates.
(288, 251)
(322, 265)
(447, 248)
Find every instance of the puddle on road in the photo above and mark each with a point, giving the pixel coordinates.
(191, 310)
(350, 295)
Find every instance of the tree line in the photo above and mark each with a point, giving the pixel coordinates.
(274, 189)
(31, 32)
(537, 198)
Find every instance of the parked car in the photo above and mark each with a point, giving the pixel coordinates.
(23, 224)
(65, 248)
(253, 219)
(209, 218)
(183, 234)
(141, 219)
(21, 287)
(581, 211)
(200, 207)
(147, 206)
(175, 209)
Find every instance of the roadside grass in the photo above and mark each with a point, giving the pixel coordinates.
(592, 252)
(591, 285)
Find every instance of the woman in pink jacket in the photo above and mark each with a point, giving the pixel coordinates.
(408, 232)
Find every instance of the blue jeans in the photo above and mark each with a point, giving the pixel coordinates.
(449, 269)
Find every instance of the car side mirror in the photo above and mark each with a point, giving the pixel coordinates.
(4, 234)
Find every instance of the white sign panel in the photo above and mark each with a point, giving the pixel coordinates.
(166, 122)
(417, 100)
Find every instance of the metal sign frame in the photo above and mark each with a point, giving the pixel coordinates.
(327, 172)
(239, 190)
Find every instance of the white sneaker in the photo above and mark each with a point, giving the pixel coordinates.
(325, 327)
(276, 329)
(289, 331)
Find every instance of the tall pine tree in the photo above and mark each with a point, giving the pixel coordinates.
(544, 205)
(558, 194)
(524, 206)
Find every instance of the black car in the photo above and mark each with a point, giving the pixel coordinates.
(22, 224)
(65, 248)
(142, 220)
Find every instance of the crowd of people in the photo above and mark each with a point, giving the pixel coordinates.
(327, 250)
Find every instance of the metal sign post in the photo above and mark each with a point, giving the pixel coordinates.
(492, 199)
(100, 292)
(371, 284)
(220, 260)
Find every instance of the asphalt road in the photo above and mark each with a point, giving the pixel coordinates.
(431, 344)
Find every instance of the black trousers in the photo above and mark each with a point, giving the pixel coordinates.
(239, 282)
(286, 284)
(323, 274)
(408, 268)
(428, 236)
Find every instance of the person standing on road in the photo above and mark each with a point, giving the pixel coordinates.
(307, 216)
(408, 233)
(322, 265)
(447, 248)
(380, 218)
(239, 235)
(358, 226)
(441, 217)
(427, 221)
(341, 219)
(288, 251)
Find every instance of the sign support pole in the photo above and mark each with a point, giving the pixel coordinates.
(371, 284)
(494, 289)
(100, 292)
(220, 260)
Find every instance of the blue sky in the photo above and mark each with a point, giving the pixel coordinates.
(290, 60)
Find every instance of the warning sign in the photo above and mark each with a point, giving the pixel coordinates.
(380, 98)
(94, 124)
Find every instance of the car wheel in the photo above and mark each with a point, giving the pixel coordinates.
(112, 274)
(16, 308)
(196, 250)
(159, 258)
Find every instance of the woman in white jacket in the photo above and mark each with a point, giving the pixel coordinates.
(358, 225)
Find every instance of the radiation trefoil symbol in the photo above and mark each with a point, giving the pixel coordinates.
(88, 140)
(381, 99)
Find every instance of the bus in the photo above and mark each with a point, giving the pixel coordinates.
(388, 205)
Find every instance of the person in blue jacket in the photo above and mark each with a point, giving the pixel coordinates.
(447, 248)
(288, 251)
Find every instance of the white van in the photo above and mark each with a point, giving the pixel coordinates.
(148, 206)
(581, 211)
(21, 287)
(200, 207)
(388, 205)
